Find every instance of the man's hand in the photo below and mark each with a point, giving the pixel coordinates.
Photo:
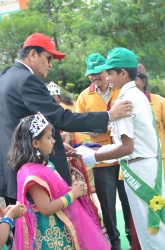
(70, 152)
(119, 110)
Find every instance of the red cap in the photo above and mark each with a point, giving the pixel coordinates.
(38, 39)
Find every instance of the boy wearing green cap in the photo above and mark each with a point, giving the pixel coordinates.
(100, 97)
(138, 149)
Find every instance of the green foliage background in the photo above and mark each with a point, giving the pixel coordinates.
(84, 28)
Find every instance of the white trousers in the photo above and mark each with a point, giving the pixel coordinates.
(147, 170)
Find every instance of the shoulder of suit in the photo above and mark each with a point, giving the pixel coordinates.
(23, 69)
(32, 78)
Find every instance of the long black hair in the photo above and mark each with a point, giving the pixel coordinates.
(21, 150)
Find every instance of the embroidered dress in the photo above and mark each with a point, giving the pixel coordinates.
(67, 229)
(50, 231)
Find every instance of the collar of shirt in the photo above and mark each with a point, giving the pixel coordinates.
(127, 86)
(27, 67)
(104, 96)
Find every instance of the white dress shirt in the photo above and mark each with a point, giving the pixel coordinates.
(139, 126)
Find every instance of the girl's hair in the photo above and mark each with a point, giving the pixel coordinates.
(21, 150)
(66, 99)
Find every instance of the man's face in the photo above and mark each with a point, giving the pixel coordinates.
(115, 80)
(99, 79)
(41, 64)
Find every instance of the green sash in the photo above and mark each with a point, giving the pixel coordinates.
(152, 197)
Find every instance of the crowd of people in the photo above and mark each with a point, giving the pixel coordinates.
(47, 186)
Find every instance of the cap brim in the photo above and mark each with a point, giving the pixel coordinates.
(57, 54)
(93, 71)
(104, 67)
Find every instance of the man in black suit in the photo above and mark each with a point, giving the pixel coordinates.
(23, 93)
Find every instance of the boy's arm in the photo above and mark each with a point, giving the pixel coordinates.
(126, 148)
(125, 134)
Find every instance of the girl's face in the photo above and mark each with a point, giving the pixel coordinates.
(56, 98)
(45, 144)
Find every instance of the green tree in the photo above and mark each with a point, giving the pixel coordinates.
(83, 29)
(15, 29)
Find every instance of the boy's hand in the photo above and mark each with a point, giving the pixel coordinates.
(120, 110)
(89, 158)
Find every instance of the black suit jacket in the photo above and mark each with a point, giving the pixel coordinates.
(23, 93)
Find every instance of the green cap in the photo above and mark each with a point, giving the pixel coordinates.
(92, 61)
(120, 58)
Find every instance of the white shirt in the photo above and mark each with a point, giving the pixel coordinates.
(27, 67)
(139, 126)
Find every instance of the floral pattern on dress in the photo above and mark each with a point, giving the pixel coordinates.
(55, 238)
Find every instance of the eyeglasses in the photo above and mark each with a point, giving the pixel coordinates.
(49, 58)
(93, 75)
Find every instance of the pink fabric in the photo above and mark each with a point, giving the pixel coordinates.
(88, 208)
(88, 234)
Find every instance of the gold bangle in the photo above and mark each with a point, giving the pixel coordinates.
(71, 196)
(64, 200)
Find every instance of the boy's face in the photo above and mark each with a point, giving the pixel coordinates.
(116, 81)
